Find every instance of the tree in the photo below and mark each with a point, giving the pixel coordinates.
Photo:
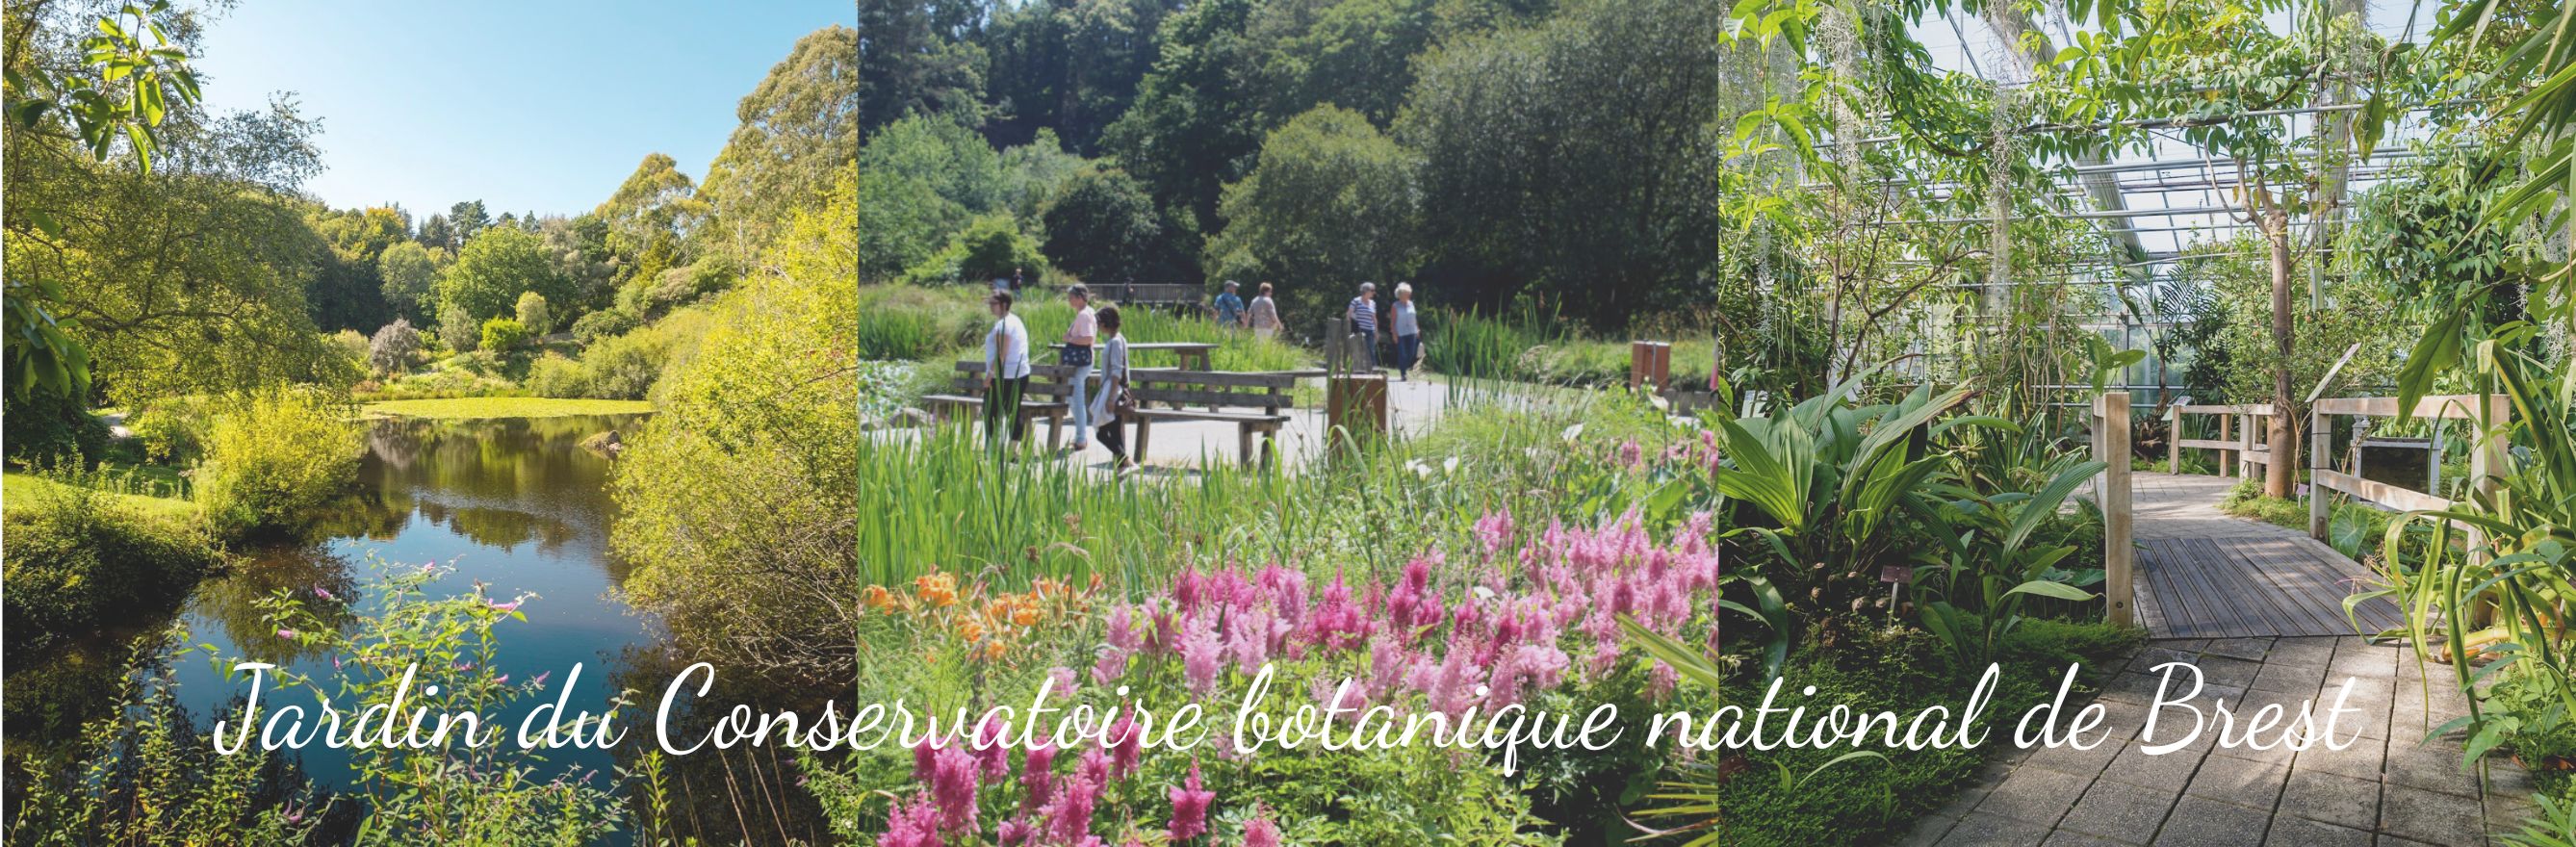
(493, 268)
(63, 105)
(1196, 123)
(992, 247)
(798, 128)
(436, 234)
(390, 350)
(533, 313)
(457, 329)
(656, 200)
(1104, 229)
(1069, 68)
(906, 65)
(920, 180)
(408, 276)
(1578, 158)
(1333, 202)
(468, 219)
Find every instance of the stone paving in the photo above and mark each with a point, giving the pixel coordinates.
(2393, 787)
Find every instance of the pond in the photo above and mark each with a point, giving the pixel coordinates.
(515, 504)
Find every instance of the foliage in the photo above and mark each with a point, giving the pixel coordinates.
(457, 329)
(919, 180)
(392, 348)
(469, 408)
(492, 270)
(620, 367)
(535, 314)
(410, 277)
(990, 247)
(1611, 220)
(503, 335)
(92, 113)
(603, 324)
(273, 457)
(2522, 566)
(1102, 228)
(740, 490)
(79, 559)
(44, 425)
(799, 128)
(1333, 199)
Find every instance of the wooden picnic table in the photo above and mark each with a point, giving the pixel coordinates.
(1193, 354)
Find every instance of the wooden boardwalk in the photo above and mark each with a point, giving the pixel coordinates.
(2205, 574)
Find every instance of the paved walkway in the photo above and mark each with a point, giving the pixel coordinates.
(2205, 574)
(2392, 788)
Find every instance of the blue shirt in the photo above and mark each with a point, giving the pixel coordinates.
(1229, 308)
(1363, 314)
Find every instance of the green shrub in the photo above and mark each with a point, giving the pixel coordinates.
(78, 561)
(620, 367)
(274, 457)
(501, 334)
(533, 313)
(46, 425)
(601, 324)
(457, 329)
(991, 247)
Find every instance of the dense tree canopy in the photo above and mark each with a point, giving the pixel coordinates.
(493, 270)
(799, 127)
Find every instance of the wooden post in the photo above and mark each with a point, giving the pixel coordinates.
(2111, 491)
(2320, 458)
(2244, 445)
(2226, 430)
(2433, 468)
(1650, 365)
(2485, 461)
(2173, 440)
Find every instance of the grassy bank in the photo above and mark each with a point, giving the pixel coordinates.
(18, 490)
(469, 408)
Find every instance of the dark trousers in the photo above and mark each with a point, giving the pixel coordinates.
(1002, 405)
(1368, 342)
(1408, 352)
(1113, 437)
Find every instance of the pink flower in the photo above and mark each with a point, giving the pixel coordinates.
(1037, 772)
(1126, 745)
(1201, 652)
(286, 634)
(1260, 832)
(324, 593)
(503, 679)
(1190, 801)
(914, 824)
(511, 606)
(1111, 666)
(952, 785)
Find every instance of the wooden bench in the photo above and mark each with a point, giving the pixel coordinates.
(1049, 396)
(1268, 393)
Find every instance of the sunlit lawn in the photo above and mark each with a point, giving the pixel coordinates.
(504, 407)
(19, 489)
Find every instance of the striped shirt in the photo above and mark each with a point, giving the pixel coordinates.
(1363, 315)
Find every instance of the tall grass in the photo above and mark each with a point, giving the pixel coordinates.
(942, 499)
(918, 323)
(1529, 345)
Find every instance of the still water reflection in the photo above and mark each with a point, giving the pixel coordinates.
(517, 505)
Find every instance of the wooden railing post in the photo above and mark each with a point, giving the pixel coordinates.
(2320, 458)
(2173, 440)
(2111, 492)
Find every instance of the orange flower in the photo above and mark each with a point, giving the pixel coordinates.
(993, 651)
(938, 588)
(876, 597)
(1025, 616)
(970, 630)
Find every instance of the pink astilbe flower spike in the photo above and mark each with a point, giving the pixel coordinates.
(952, 786)
(1190, 802)
(914, 824)
(1260, 832)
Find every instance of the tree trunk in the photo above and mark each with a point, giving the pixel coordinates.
(2283, 439)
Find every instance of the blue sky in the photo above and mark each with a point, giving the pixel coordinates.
(530, 105)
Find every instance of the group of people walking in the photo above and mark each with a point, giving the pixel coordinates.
(1093, 346)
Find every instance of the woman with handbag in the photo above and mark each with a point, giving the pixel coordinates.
(1111, 406)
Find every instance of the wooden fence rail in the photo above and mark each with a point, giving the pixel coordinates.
(2238, 434)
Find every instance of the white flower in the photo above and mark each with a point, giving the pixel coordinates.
(1572, 432)
(1450, 466)
(1418, 468)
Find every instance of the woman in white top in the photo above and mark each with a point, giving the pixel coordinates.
(1006, 369)
(1113, 383)
(1263, 314)
(1079, 336)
